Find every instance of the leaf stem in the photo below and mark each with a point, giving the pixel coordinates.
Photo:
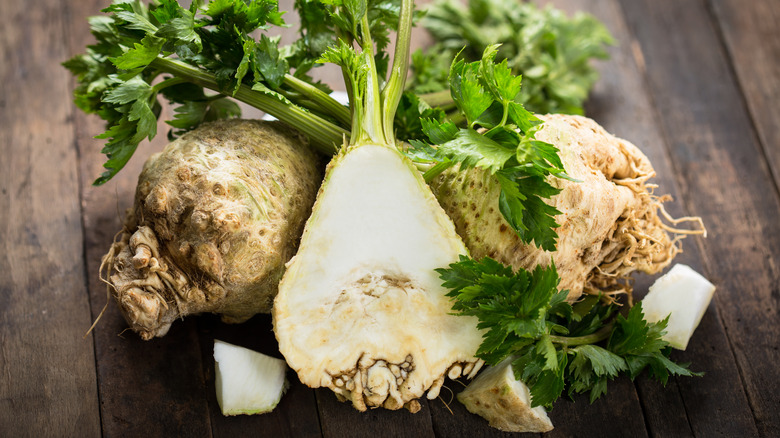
(436, 170)
(598, 336)
(371, 128)
(391, 94)
(441, 98)
(458, 118)
(322, 99)
(324, 135)
(167, 83)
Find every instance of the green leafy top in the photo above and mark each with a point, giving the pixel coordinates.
(373, 99)
(202, 47)
(554, 345)
(551, 51)
(499, 136)
(324, 23)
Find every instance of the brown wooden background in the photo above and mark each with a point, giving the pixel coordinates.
(694, 83)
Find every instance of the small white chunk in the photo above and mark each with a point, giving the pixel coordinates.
(247, 382)
(683, 294)
(496, 396)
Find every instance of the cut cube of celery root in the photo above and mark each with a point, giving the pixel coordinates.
(505, 402)
(684, 295)
(247, 382)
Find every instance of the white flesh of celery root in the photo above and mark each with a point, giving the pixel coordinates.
(247, 382)
(683, 295)
(360, 309)
(505, 402)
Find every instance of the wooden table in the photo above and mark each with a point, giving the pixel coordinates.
(694, 83)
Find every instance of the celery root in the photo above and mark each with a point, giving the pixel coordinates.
(610, 222)
(360, 309)
(217, 214)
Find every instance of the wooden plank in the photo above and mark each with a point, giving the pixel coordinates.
(750, 32)
(154, 388)
(569, 417)
(295, 416)
(47, 375)
(342, 420)
(720, 168)
(620, 102)
(618, 413)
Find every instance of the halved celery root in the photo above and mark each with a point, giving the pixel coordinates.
(496, 396)
(610, 222)
(217, 215)
(360, 309)
(247, 382)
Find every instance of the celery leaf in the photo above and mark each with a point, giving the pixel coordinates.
(523, 315)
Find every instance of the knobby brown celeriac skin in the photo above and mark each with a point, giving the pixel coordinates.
(610, 221)
(217, 214)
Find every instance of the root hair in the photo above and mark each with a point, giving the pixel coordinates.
(452, 397)
(639, 240)
(106, 265)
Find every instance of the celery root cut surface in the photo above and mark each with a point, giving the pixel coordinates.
(360, 309)
(504, 401)
(247, 382)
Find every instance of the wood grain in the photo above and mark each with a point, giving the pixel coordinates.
(154, 388)
(622, 104)
(753, 45)
(47, 374)
(295, 416)
(694, 84)
(342, 420)
(718, 162)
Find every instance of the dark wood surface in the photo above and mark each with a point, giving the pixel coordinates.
(694, 83)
